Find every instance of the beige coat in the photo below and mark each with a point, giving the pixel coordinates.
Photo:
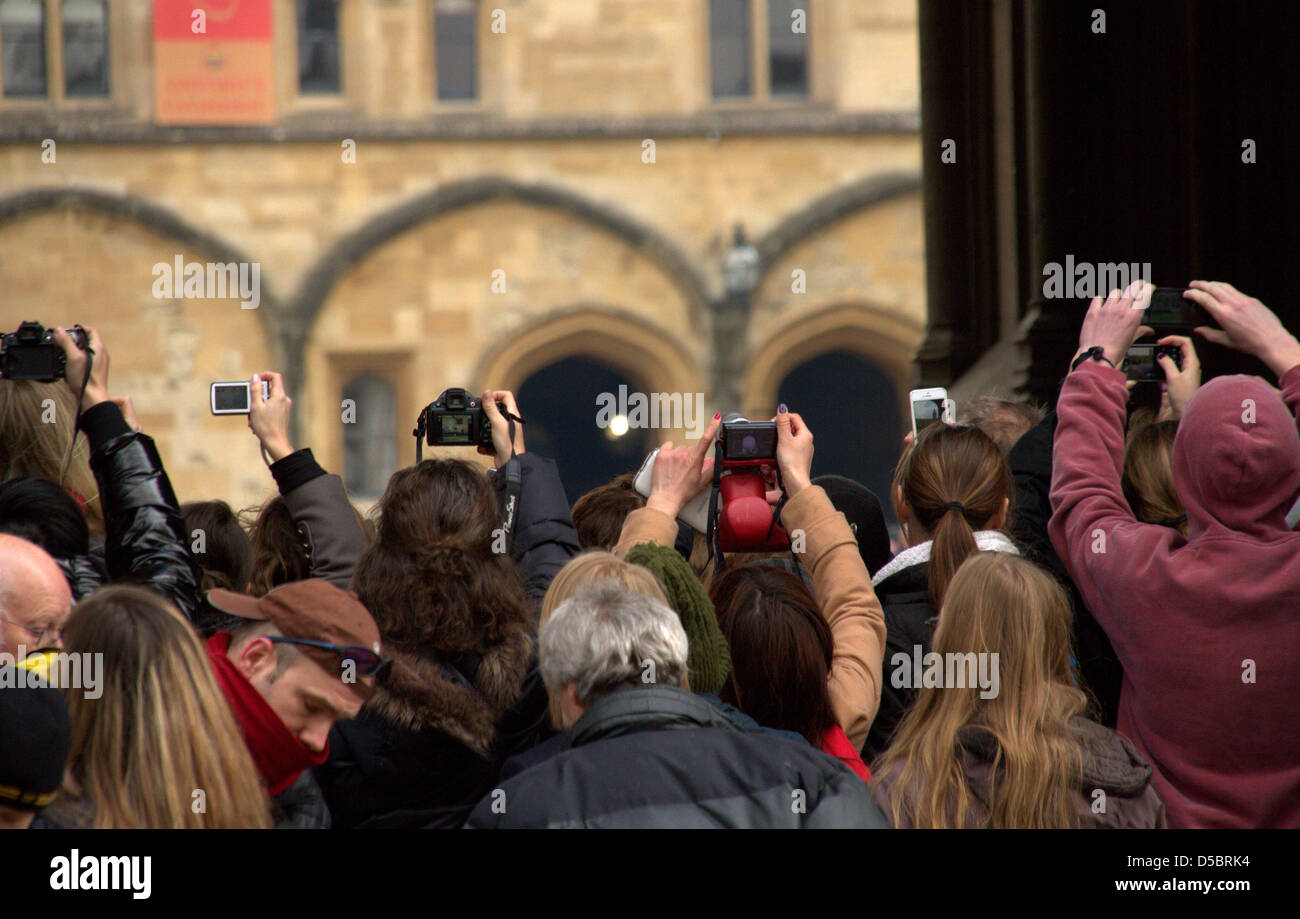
(841, 587)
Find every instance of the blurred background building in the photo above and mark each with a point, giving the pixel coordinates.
(557, 197)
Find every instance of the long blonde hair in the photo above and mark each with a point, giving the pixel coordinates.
(999, 604)
(588, 568)
(160, 731)
(30, 446)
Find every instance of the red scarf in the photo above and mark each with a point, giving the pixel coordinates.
(836, 743)
(280, 756)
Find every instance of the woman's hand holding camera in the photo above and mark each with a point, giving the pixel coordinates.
(501, 425)
(75, 367)
(269, 418)
(681, 473)
(794, 451)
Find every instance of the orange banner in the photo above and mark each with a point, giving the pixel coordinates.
(213, 62)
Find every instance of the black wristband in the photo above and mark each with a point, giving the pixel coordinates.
(1096, 351)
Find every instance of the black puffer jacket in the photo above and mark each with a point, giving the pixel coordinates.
(910, 619)
(145, 541)
(431, 741)
(655, 756)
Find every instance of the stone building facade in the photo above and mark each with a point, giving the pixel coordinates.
(581, 203)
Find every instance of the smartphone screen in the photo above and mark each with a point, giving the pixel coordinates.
(926, 412)
(1169, 308)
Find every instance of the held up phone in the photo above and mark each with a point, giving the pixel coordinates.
(695, 514)
(234, 398)
(930, 406)
(1170, 311)
(1140, 362)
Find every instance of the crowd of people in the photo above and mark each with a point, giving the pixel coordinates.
(1120, 581)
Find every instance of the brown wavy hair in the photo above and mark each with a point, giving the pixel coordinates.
(947, 464)
(432, 579)
(997, 604)
(781, 649)
(277, 549)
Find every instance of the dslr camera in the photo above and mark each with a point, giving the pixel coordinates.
(31, 353)
(455, 419)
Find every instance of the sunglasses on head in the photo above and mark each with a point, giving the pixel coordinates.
(368, 662)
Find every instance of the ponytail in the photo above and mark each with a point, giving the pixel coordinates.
(954, 481)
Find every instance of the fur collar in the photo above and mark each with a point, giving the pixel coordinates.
(420, 694)
(985, 541)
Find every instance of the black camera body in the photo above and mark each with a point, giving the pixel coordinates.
(31, 353)
(742, 439)
(455, 419)
(1140, 363)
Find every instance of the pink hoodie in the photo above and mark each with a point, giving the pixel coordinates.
(1207, 627)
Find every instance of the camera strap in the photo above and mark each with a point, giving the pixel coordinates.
(76, 423)
(514, 475)
(711, 538)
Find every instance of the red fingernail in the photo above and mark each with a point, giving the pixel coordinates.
(717, 415)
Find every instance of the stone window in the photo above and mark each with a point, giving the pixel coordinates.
(729, 47)
(759, 49)
(787, 48)
(369, 447)
(85, 48)
(319, 71)
(22, 48)
(455, 49)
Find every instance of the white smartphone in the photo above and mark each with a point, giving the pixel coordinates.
(232, 398)
(930, 406)
(695, 514)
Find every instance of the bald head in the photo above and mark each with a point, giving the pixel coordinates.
(34, 596)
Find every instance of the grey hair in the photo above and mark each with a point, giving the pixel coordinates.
(604, 636)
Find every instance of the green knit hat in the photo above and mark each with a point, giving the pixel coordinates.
(708, 657)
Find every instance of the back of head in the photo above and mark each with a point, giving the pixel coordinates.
(431, 578)
(1236, 458)
(605, 637)
(954, 481)
(36, 424)
(1003, 643)
(593, 566)
(277, 552)
(599, 514)
(224, 550)
(1148, 479)
(1005, 421)
(865, 516)
(41, 512)
(157, 727)
(781, 649)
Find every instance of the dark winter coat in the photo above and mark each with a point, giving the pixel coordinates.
(655, 756)
(1115, 791)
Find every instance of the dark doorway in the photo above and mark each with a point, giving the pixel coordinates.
(559, 403)
(851, 406)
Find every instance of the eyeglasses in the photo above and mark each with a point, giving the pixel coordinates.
(368, 662)
(40, 643)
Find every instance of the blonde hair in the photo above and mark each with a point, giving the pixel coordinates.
(996, 604)
(30, 446)
(1148, 479)
(589, 568)
(161, 730)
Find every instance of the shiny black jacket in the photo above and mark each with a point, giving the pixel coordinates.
(655, 756)
(145, 541)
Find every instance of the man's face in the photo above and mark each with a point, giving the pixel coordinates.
(307, 698)
(34, 604)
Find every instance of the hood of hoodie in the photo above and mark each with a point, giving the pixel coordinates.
(1236, 459)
